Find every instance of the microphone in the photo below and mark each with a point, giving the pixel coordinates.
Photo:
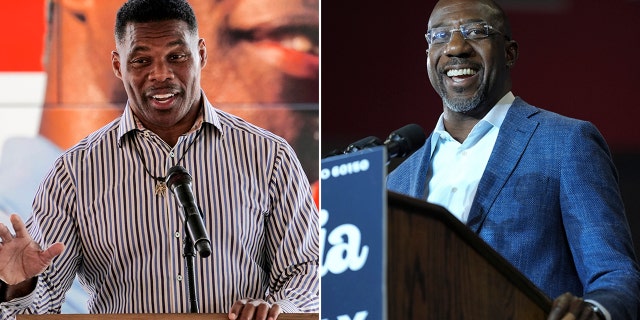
(400, 143)
(405, 141)
(364, 143)
(179, 182)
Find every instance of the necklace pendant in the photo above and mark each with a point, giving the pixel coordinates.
(161, 188)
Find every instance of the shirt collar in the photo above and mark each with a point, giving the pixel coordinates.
(129, 122)
(497, 114)
(495, 117)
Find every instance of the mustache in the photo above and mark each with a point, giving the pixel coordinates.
(163, 88)
(457, 61)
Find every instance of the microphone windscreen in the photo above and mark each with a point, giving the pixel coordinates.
(364, 143)
(177, 175)
(407, 140)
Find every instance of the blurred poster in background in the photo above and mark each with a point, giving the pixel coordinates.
(57, 85)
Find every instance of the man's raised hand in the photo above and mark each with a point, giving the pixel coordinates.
(21, 258)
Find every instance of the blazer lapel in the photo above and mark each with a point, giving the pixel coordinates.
(514, 136)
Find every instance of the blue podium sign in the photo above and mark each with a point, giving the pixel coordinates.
(352, 236)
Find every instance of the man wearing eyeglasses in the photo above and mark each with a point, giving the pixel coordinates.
(540, 188)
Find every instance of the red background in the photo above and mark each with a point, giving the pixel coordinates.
(578, 59)
(22, 24)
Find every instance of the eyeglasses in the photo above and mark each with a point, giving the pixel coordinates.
(470, 31)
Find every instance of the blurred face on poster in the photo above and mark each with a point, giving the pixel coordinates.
(259, 51)
(263, 63)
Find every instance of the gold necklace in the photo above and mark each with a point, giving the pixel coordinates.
(161, 186)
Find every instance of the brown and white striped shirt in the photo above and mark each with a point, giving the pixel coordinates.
(125, 242)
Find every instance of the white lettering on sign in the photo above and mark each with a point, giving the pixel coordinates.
(362, 315)
(345, 251)
(345, 169)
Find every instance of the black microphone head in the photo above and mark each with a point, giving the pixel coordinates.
(405, 140)
(332, 153)
(364, 143)
(177, 175)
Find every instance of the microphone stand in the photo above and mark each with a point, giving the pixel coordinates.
(189, 257)
(179, 181)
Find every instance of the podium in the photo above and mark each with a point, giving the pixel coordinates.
(388, 256)
(437, 268)
(161, 316)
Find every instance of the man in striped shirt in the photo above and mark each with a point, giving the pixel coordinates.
(104, 213)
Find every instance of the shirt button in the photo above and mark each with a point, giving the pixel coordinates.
(146, 134)
(179, 277)
(177, 234)
(172, 154)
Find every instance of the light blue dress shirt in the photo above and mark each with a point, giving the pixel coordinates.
(456, 168)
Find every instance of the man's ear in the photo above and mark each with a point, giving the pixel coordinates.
(202, 50)
(511, 51)
(115, 64)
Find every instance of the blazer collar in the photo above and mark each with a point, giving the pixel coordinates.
(514, 136)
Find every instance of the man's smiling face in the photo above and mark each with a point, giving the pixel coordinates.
(469, 73)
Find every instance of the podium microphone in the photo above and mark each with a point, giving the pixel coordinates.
(179, 182)
(400, 143)
(364, 143)
(405, 141)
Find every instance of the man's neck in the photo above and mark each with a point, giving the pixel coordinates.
(459, 125)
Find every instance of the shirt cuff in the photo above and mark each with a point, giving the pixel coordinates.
(603, 309)
(287, 306)
(18, 304)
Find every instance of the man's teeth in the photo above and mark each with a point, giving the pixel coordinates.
(460, 72)
(163, 96)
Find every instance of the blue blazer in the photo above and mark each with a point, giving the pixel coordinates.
(549, 202)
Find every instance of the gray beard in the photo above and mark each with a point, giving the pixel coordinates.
(463, 105)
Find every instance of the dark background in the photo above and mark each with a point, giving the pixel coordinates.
(577, 58)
